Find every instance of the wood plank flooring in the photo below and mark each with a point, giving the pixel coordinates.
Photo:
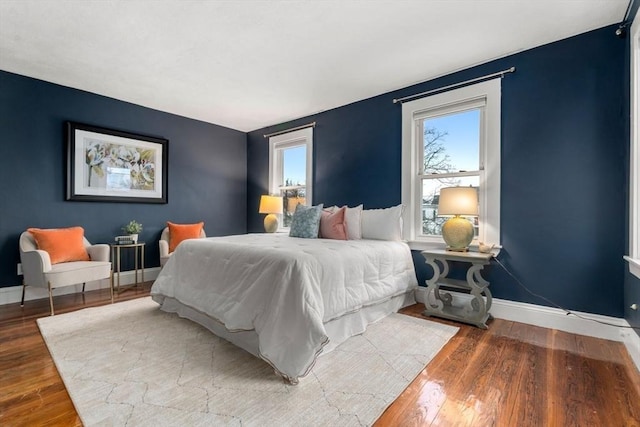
(520, 375)
(510, 375)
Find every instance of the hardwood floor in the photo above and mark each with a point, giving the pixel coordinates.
(31, 391)
(510, 375)
(520, 375)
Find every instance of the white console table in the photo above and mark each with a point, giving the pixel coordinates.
(439, 303)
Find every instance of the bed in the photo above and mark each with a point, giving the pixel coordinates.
(286, 299)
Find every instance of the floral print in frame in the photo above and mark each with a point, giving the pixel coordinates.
(111, 165)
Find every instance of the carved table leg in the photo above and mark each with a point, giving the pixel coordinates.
(445, 297)
(433, 288)
(477, 312)
(485, 287)
(440, 300)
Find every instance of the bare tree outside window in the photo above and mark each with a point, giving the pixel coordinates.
(435, 161)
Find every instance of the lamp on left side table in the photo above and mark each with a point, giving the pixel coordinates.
(271, 205)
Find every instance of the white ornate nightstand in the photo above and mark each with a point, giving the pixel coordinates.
(439, 303)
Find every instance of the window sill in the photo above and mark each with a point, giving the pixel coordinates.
(634, 266)
(417, 245)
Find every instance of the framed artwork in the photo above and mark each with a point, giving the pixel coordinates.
(105, 165)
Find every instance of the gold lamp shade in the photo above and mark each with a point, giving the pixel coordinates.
(457, 232)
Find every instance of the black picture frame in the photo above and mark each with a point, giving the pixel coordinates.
(107, 165)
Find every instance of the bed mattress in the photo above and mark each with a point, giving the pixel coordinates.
(285, 290)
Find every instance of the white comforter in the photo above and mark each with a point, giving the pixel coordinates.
(284, 288)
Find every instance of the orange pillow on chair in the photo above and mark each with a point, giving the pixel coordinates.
(180, 232)
(62, 244)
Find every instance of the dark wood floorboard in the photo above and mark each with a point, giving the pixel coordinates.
(509, 375)
(520, 375)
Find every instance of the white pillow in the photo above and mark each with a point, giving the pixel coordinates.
(382, 224)
(354, 222)
(353, 218)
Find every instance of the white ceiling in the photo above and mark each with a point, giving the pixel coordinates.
(247, 64)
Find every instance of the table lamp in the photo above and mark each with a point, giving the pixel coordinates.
(270, 205)
(457, 232)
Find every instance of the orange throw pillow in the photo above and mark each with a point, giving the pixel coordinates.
(180, 232)
(62, 244)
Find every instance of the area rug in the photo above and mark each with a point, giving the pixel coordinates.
(130, 364)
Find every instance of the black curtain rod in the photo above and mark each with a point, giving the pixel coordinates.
(308, 125)
(626, 13)
(455, 85)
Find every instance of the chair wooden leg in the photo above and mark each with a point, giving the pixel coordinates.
(51, 298)
(83, 283)
(23, 288)
(111, 286)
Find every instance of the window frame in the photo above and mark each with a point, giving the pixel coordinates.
(634, 154)
(277, 143)
(489, 151)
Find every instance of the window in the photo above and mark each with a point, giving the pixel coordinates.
(634, 175)
(451, 139)
(290, 170)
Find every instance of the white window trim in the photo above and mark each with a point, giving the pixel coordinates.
(634, 168)
(287, 140)
(489, 194)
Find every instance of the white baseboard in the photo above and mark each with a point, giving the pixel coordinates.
(633, 347)
(13, 294)
(555, 318)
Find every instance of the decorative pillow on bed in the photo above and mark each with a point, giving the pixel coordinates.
(180, 232)
(382, 224)
(333, 225)
(353, 221)
(306, 222)
(62, 244)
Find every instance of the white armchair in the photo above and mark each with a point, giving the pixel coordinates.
(164, 245)
(38, 270)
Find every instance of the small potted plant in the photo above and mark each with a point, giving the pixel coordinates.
(132, 229)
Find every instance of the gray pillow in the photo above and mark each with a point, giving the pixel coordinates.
(306, 222)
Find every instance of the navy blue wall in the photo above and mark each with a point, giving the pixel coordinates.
(563, 168)
(206, 171)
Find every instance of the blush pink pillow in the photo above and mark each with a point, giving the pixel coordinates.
(333, 225)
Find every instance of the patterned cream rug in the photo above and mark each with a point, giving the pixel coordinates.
(131, 364)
